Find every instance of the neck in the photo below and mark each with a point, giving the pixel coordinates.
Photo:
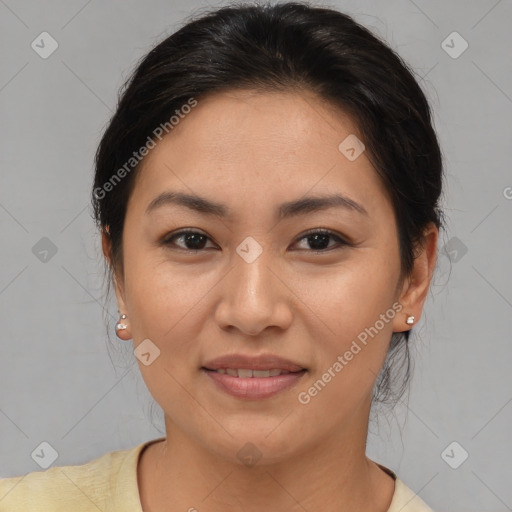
(333, 475)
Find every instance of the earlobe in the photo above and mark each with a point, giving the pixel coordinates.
(122, 328)
(415, 289)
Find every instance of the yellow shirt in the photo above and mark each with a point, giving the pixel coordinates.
(109, 484)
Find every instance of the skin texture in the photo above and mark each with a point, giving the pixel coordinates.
(253, 151)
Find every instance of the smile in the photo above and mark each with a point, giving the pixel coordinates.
(247, 384)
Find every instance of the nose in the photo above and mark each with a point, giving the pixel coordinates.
(254, 298)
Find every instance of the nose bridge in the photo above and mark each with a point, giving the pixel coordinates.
(250, 298)
(251, 283)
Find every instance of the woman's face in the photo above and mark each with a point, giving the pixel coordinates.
(259, 283)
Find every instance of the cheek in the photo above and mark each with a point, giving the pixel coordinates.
(355, 308)
(162, 296)
(351, 345)
(165, 305)
(351, 297)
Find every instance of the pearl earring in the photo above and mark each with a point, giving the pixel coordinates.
(120, 326)
(410, 320)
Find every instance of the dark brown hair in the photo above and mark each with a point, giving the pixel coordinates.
(286, 46)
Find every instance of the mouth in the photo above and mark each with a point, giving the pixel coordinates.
(245, 366)
(248, 373)
(249, 378)
(251, 387)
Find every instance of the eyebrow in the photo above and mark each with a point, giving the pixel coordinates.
(300, 206)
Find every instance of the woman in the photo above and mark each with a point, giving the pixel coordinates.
(267, 194)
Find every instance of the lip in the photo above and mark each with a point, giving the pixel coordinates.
(262, 362)
(253, 388)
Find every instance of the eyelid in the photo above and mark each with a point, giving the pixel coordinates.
(323, 231)
(341, 239)
(166, 239)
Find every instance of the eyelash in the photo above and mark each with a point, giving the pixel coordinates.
(167, 241)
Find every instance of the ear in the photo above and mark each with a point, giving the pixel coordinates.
(415, 289)
(117, 278)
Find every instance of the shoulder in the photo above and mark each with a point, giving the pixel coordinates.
(406, 500)
(86, 487)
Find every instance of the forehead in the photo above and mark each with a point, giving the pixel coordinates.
(283, 122)
(259, 146)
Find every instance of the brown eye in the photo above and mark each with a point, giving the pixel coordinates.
(192, 240)
(318, 240)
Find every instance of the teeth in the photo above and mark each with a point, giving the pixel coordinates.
(245, 373)
(259, 373)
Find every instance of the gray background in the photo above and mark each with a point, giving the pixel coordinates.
(63, 382)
